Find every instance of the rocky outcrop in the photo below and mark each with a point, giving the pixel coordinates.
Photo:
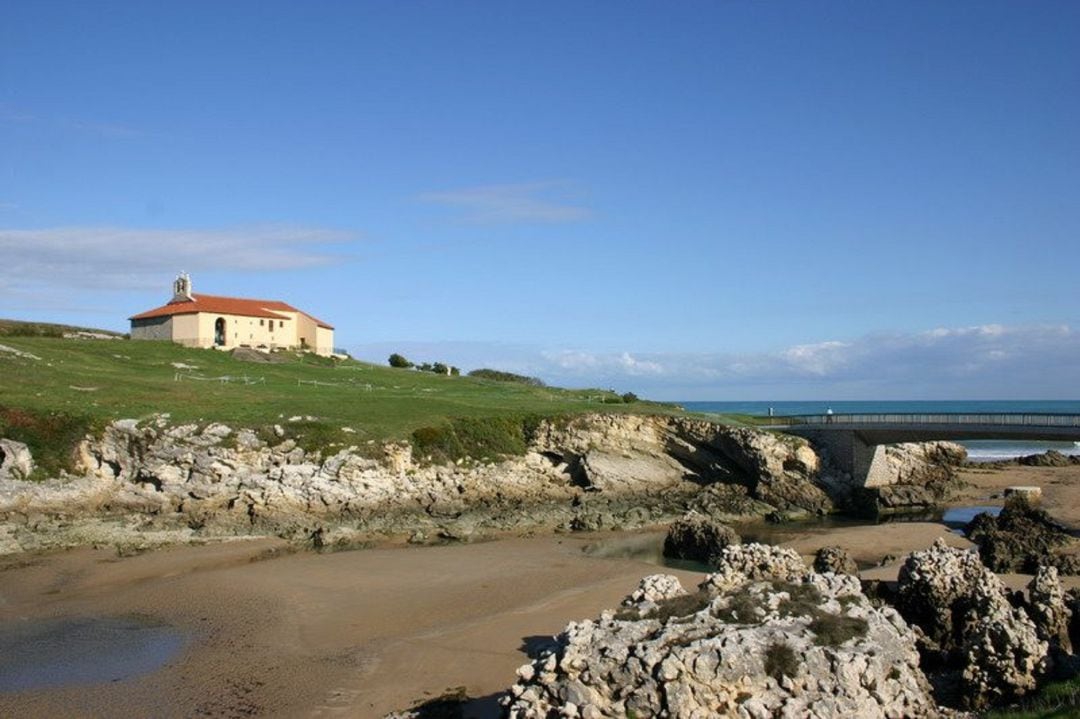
(697, 537)
(917, 476)
(747, 645)
(589, 473)
(970, 628)
(1020, 539)
(835, 560)
(16, 462)
(1049, 609)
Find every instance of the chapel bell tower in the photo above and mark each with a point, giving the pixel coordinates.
(182, 288)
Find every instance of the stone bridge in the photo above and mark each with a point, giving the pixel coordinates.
(854, 441)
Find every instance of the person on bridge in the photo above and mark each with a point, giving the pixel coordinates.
(828, 414)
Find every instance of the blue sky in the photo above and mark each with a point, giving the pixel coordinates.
(694, 200)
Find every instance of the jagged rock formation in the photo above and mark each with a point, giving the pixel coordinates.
(16, 462)
(1049, 609)
(696, 536)
(592, 472)
(1020, 539)
(970, 628)
(750, 644)
(835, 560)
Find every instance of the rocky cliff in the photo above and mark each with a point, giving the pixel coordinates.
(154, 481)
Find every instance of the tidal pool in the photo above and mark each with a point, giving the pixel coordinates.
(86, 650)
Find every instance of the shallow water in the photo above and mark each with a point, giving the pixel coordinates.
(63, 652)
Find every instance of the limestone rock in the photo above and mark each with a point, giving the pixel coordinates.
(741, 563)
(697, 537)
(1019, 539)
(704, 660)
(835, 560)
(1048, 608)
(16, 462)
(965, 614)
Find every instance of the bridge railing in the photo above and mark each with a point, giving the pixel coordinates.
(1000, 419)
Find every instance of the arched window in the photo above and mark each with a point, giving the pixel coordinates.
(219, 331)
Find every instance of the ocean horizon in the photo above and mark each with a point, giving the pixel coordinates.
(978, 450)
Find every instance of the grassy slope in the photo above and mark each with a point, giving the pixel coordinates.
(101, 380)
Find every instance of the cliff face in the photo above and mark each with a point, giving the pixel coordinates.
(597, 471)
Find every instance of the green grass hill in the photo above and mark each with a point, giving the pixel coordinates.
(53, 390)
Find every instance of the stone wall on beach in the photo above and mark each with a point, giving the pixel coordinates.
(181, 482)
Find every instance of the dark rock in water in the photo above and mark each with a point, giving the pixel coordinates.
(835, 560)
(698, 537)
(1050, 458)
(1019, 539)
(777, 517)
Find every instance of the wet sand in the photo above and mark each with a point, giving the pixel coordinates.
(362, 633)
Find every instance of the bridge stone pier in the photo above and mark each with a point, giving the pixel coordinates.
(854, 441)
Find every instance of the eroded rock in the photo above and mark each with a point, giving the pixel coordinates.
(760, 647)
(697, 537)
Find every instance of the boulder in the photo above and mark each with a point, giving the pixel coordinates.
(970, 627)
(16, 462)
(738, 564)
(697, 537)
(835, 560)
(1048, 608)
(764, 648)
(1019, 539)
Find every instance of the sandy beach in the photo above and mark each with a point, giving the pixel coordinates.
(361, 633)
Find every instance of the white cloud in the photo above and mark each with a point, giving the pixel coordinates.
(991, 361)
(128, 258)
(535, 202)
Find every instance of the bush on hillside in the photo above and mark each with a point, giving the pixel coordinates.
(51, 437)
(629, 398)
(399, 361)
(478, 438)
(500, 376)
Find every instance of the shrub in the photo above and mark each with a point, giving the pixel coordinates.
(399, 361)
(629, 398)
(440, 368)
(780, 661)
(681, 606)
(500, 376)
(832, 630)
(480, 438)
(455, 372)
(51, 437)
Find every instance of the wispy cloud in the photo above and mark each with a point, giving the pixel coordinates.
(535, 202)
(990, 361)
(128, 258)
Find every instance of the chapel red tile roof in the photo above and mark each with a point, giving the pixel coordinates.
(226, 306)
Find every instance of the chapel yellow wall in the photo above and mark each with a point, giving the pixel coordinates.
(240, 330)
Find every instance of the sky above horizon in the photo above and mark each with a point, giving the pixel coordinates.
(691, 201)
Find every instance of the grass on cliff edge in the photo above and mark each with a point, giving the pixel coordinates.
(86, 383)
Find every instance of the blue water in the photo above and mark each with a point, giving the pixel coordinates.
(62, 652)
(978, 450)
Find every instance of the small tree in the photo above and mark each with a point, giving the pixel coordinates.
(397, 360)
(455, 372)
(629, 397)
(440, 368)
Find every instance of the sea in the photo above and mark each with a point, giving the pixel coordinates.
(978, 450)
